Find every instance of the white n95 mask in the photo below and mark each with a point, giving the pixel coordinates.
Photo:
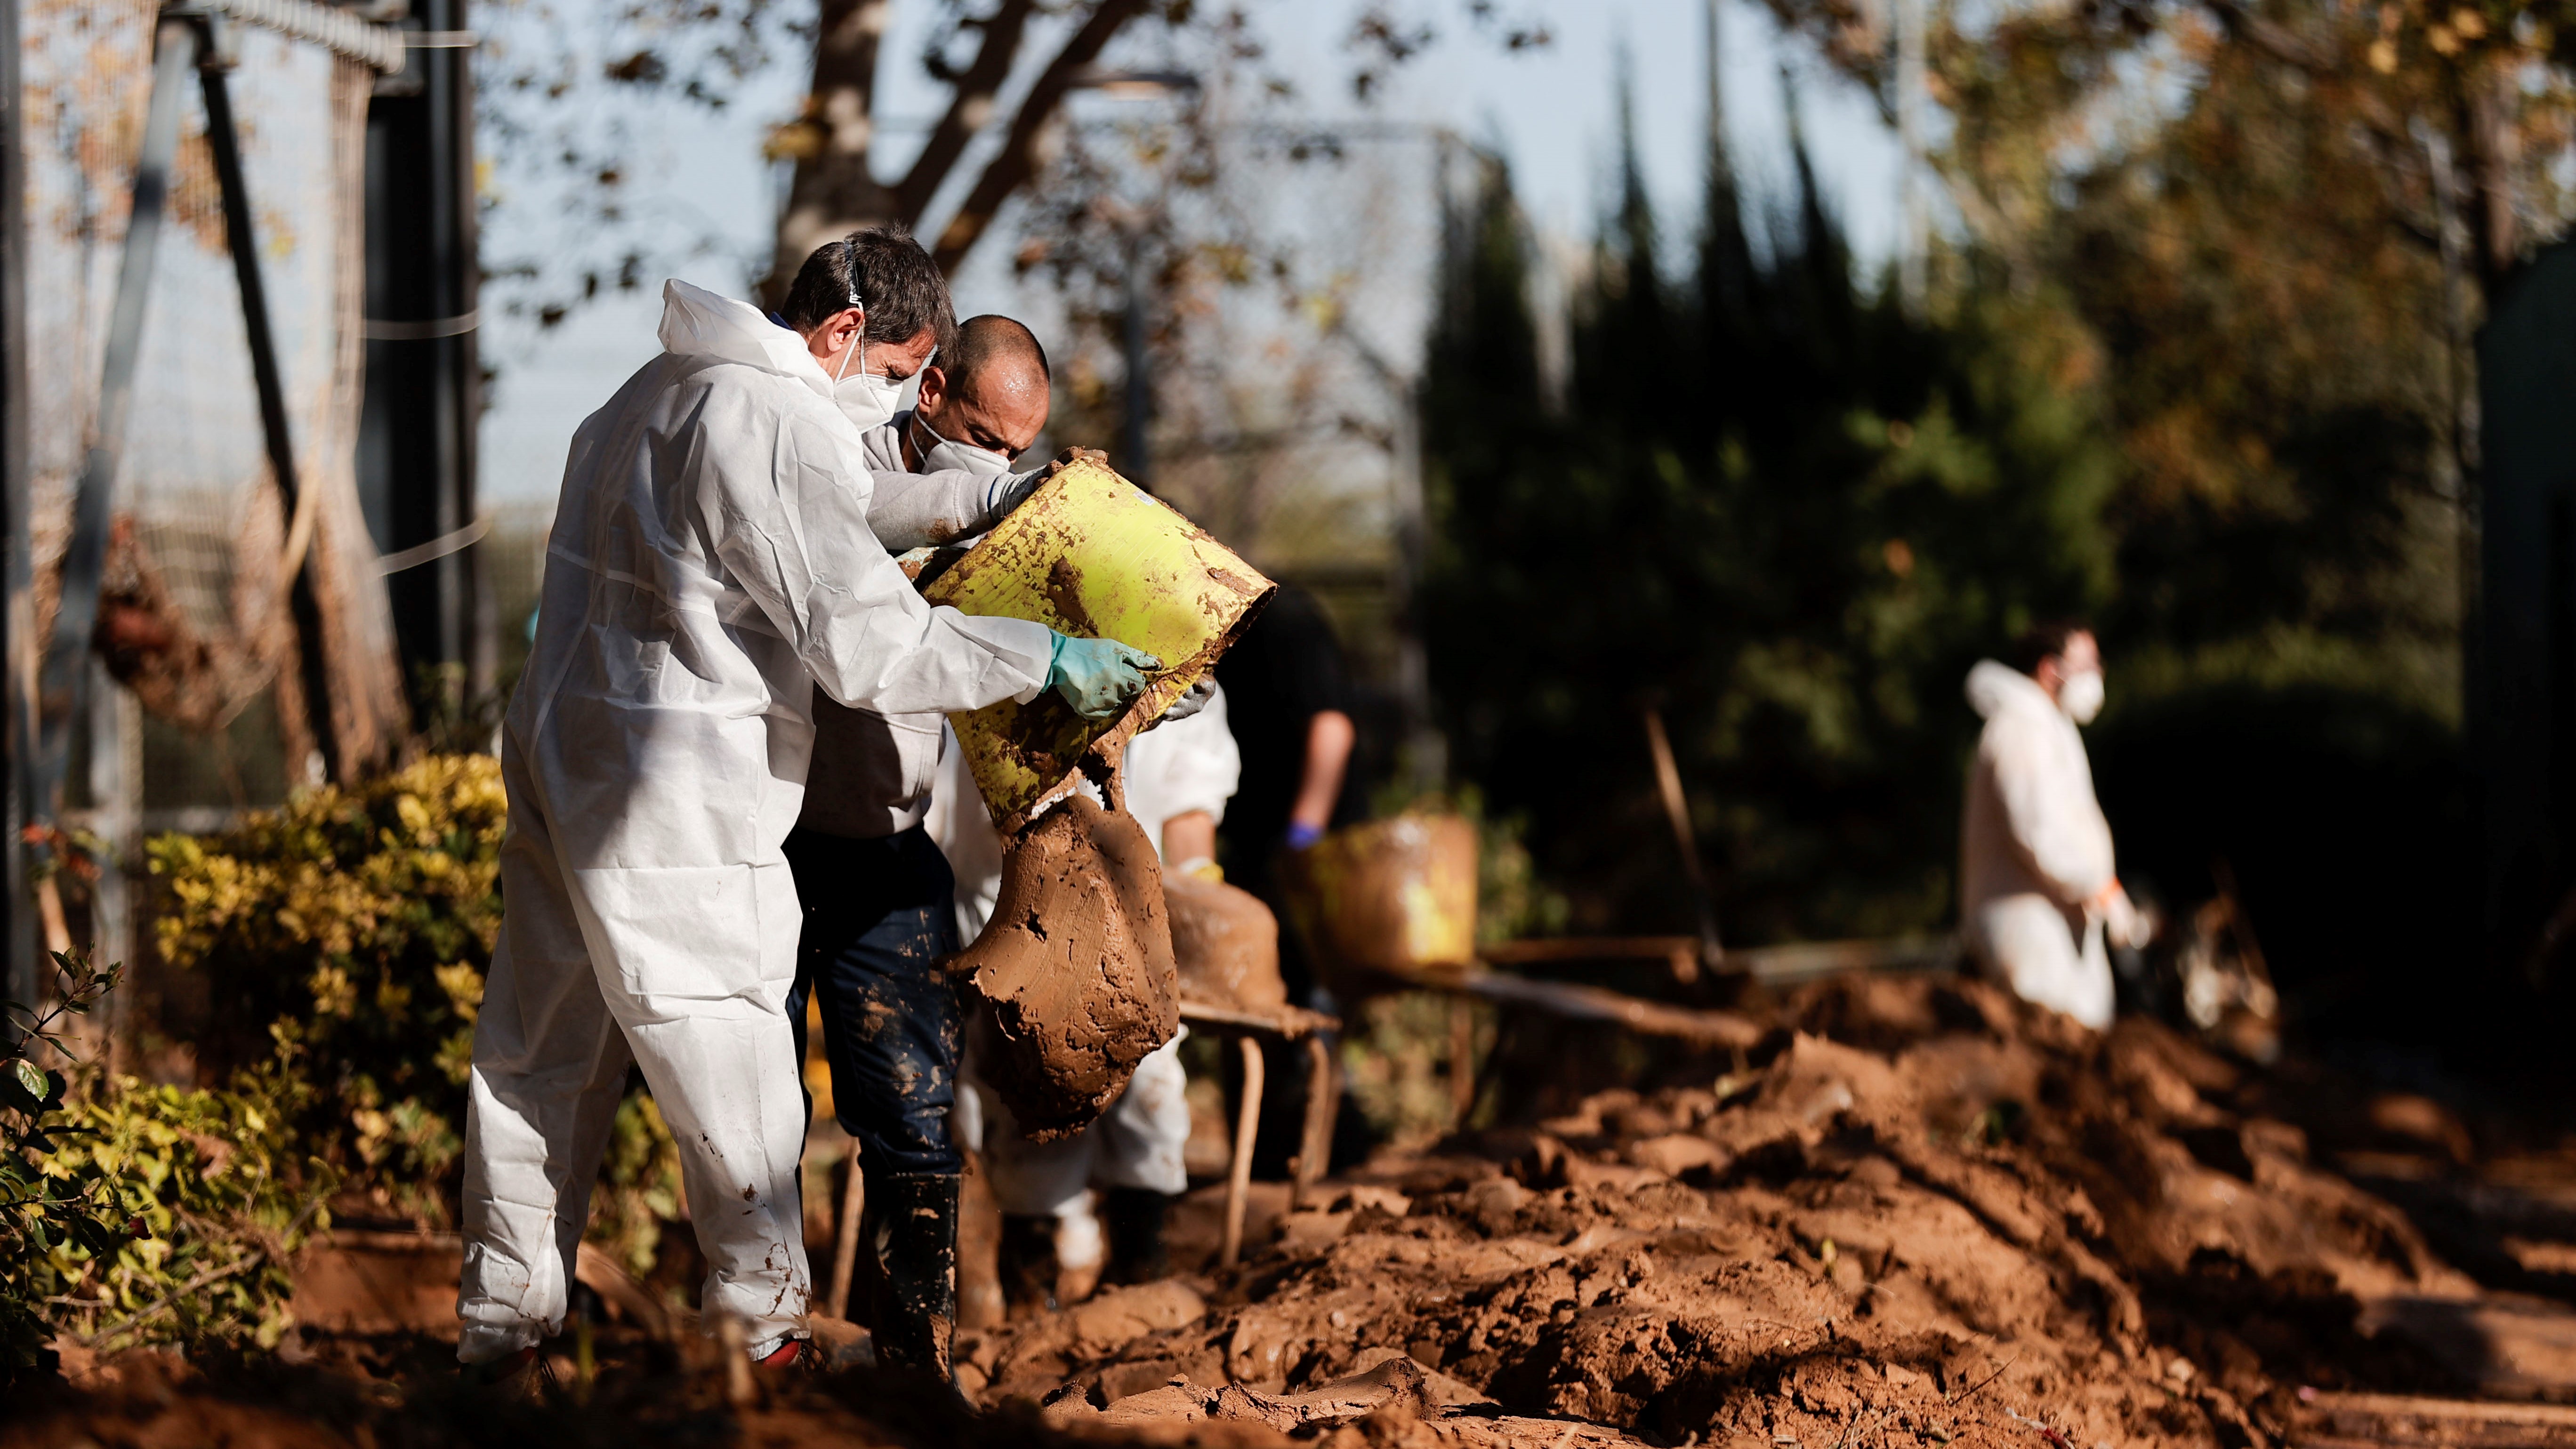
(2080, 696)
(939, 454)
(866, 401)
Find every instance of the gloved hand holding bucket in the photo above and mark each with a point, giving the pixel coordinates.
(1076, 968)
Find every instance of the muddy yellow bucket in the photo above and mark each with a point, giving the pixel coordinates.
(1392, 898)
(1092, 555)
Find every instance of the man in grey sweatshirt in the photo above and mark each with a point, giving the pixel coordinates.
(877, 893)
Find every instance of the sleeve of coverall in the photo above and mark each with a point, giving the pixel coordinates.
(2050, 830)
(1201, 765)
(918, 510)
(793, 533)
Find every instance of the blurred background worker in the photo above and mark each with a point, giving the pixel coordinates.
(2037, 888)
(1123, 1171)
(877, 891)
(1291, 705)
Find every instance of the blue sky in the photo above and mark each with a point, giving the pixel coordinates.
(1552, 111)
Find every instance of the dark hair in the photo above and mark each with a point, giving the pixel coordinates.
(886, 272)
(2041, 640)
(985, 341)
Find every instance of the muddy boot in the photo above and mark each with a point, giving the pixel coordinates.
(1135, 1217)
(1028, 1266)
(912, 1237)
(523, 1375)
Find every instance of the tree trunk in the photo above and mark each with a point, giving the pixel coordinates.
(834, 194)
(1018, 160)
(2495, 152)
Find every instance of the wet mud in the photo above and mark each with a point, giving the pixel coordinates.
(1914, 1213)
(1917, 1212)
(1075, 970)
(1225, 943)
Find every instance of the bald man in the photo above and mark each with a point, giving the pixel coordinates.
(982, 405)
(879, 914)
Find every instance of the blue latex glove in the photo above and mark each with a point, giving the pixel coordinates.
(1097, 676)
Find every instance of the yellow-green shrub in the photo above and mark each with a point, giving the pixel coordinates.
(214, 1201)
(352, 929)
(133, 1214)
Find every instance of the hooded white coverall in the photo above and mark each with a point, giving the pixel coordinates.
(1171, 769)
(2035, 851)
(710, 566)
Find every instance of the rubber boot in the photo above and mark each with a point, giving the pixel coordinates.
(1135, 1218)
(912, 1238)
(1028, 1265)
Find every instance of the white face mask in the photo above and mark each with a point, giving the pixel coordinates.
(939, 454)
(866, 400)
(2080, 696)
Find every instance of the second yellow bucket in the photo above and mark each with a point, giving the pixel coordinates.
(1389, 901)
(1092, 555)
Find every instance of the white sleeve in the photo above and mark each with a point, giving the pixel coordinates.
(1200, 765)
(2055, 828)
(963, 829)
(918, 510)
(791, 529)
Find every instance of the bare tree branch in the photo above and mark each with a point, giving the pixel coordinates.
(1018, 159)
(970, 108)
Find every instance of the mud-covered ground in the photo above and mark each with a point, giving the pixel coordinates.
(1917, 1213)
(1921, 1211)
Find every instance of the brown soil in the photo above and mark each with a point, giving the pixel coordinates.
(1226, 943)
(1923, 1212)
(1917, 1213)
(1076, 968)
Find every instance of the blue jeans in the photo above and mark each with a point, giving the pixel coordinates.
(880, 915)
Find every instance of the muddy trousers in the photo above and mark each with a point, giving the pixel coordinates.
(879, 920)
(878, 923)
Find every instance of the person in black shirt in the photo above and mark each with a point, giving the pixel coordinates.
(1289, 701)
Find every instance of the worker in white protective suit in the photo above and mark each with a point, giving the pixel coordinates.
(710, 568)
(1124, 1171)
(2038, 891)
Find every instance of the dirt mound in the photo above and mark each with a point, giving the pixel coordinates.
(1916, 1213)
(1922, 1209)
(1226, 944)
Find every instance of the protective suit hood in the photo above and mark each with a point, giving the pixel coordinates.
(697, 323)
(1994, 687)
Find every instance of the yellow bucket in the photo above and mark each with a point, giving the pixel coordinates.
(1392, 898)
(1092, 555)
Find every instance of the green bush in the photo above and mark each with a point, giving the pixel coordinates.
(44, 1212)
(354, 926)
(351, 930)
(214, 1201)
(133, 1214)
